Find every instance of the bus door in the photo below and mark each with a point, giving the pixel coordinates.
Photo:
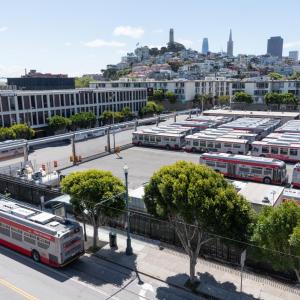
(231, 169)
(277, 175)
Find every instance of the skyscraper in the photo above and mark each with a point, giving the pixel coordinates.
(171, 36)
(275, 45)
(205, 46)
(293, 55)
(230, 45)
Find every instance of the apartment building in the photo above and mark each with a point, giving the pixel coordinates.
(186, 90)
(34, 107)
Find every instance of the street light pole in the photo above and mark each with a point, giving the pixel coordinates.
(128, 245)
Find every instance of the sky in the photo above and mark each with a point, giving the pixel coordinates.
(79, 37)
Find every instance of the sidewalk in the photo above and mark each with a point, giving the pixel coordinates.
(217, 281)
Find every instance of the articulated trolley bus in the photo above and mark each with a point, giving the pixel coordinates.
(258, 169)
(43, 236)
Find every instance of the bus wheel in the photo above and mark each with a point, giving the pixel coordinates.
(35, 256)
(262, 155)
(267, 180)
(168, 147)
(193, 150)
(229, 152)
(139, 144)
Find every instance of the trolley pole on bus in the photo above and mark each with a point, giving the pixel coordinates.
(128, 246)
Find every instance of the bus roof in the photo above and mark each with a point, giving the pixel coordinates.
(245, 158)
(47, 224)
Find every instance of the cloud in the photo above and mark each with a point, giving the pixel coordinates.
(133, 32)
(295, 44)
(11, 71)
(68, 44)
(99, 43)
(186, 43)
(159, 30)
(3, 28)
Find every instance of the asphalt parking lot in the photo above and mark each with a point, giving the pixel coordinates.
(142, 163)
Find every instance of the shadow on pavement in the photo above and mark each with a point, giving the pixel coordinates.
(105, 267)
(172, 292)
(28, 262)
(210, 286)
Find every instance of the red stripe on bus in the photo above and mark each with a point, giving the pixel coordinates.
(27, 229)
(27, 252)
(240, 162)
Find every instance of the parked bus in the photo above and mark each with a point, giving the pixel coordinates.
(167, 140)
(43, 236)
(199, 143)
(260, 169)
(283, 150)
(296, 176)
(17, 151)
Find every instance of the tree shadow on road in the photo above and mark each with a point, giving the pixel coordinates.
(208, 288)
(105, 267)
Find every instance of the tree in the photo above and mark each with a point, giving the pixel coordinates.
(118, 116)
(242, 97)
(7, 134)
(158, 95)
(94, 193)
(127, 113)
(295, 76)
(277, 232)
(58, 123)
(175, 65)
(171, 97)
(153, 51)
(82, 82)
(23, 131)
(272, 98)
(224, 99)
(275, 76)
(289, 98)
(186, 193)
(151, 108)
(83, 120)
(107, 116)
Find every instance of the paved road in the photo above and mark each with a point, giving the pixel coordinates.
(62, 152)
(89, 278)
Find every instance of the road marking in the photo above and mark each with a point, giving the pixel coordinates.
(146, 287)
(17, 290)
(60, 273)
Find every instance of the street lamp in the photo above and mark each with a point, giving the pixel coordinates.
(128, 245)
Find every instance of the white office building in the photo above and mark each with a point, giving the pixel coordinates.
(34, 107)
(186, 90)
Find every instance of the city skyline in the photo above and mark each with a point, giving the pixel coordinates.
(61, 38)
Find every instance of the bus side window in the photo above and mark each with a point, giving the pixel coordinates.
(274, 150)
(158, 139)
(195, 143)
(283, 151)
(267, 171)
(140, 137)
(294, 152)
(265, 150)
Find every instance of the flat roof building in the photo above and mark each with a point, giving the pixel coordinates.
(275, 46)
(34, 107)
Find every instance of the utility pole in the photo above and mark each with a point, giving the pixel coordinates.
(128, 246)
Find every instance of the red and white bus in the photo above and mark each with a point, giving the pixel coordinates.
(203, 143)
(167, 140)
(296, 176)
(260, 169)
(45, 237)
(283, 150)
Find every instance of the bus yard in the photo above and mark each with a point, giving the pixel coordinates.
(231, 142)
